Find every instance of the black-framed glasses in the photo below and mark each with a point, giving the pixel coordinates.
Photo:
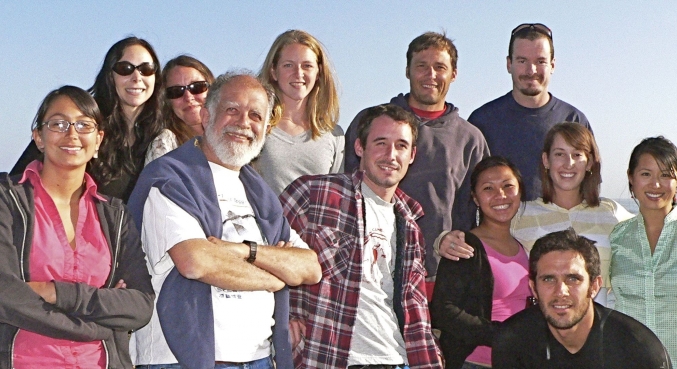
(538, 27)
(125, 68)
(60, 125)
(195, 88)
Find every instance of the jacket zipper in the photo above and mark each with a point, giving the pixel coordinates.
(117, 249)
(113, 268)
(105, 349)
(23, 241)
(21, 264)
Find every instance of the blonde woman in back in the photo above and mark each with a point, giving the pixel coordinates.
(306, 138)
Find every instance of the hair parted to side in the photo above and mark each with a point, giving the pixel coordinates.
(392, 111)
(492, 162)
(115, 155)
(530, 34)
(81, 98)
(182, 132)
(661, 149)
(322, 108)
(580, 138)
(214, 94)
(566, 240)
(439, 41)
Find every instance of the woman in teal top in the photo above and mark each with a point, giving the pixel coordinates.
(643, 253)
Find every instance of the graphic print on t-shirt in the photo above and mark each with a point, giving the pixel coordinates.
(378, 256)
(239, 224)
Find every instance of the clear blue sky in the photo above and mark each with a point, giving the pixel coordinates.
(615, 60)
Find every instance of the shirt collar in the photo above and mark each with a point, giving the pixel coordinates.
(32, 174)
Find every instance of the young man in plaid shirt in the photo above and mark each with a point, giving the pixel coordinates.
(370, 308)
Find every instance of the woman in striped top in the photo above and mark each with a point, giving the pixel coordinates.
(571, 177)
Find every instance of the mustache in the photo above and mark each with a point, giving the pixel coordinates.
(240, 131)
(532, 77)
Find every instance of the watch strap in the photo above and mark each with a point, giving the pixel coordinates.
(252, 250)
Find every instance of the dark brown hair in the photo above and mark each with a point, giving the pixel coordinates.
(435, 40)
(116, 157)
(580, 138)
(492, 162)
(180, 129)
(566, 240)
(530, 34)
(392, 111)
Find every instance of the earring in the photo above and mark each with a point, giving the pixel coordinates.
(96, 154)
(477, 217)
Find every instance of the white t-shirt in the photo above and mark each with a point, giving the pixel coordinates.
(242, 319)
(376, 336)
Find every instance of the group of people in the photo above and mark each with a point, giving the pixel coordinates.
(228, 223)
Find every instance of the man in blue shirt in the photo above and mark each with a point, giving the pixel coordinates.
(515, 124)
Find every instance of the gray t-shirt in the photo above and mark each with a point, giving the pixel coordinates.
(376, 336)
(285, 157)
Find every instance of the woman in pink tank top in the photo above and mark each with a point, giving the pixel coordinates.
(472, 295)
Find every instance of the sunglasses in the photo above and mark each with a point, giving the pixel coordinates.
(195, 88)
(125, 68)
(60, 125)
(538, 27)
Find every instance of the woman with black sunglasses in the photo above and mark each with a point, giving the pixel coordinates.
(128, 92)
(186, 82)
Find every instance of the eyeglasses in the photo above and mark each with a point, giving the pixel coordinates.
(538, 27)
(195, 88)
(125, 68)
(60, 125)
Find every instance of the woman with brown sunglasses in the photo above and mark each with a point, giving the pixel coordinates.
(186, 82)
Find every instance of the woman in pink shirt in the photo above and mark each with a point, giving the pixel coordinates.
(472, 295)
(73, 278)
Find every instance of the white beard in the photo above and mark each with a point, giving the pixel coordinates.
(232, 153)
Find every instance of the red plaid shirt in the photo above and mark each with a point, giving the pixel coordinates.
(327, 211)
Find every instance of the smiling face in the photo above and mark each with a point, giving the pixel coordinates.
(188, 106)
(236, 132)
(135, 89)
(566, 167)
(564, 290)
(386, 156)
(296, 72)
(497, 194)
(653, 187)
(530, 67)
(430, 74)
(66, 150)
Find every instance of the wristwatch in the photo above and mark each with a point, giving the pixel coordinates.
(252, 250)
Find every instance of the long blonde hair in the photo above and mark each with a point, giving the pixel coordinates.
(322, 108)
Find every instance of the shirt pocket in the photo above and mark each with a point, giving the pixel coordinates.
(334, 249)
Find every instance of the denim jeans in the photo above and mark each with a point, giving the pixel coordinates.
(265, 363)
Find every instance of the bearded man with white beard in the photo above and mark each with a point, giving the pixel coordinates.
(515, 124)
(218, 248)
